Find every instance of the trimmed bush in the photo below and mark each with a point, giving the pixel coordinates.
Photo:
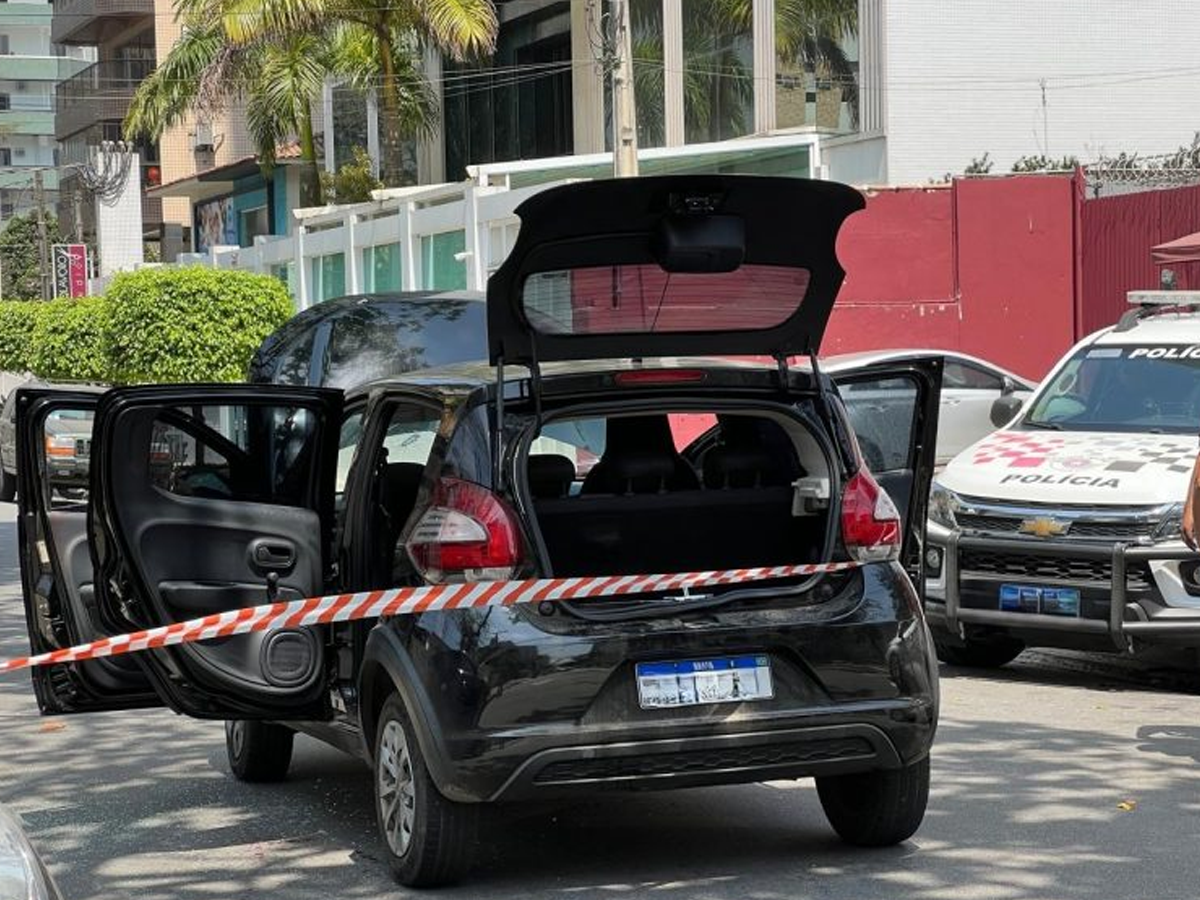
(17, 320)
(68, 341)
(190, 324)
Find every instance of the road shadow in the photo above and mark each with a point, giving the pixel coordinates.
(1161, 669)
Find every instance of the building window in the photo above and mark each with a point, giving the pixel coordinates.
(441, 269)
(816, 67)
(381, 268)
(5, 156)
(4, 51)
(521, 106)
(328, 276)
(646, 21)
(253, 223)
(5, 102)
(718, 70)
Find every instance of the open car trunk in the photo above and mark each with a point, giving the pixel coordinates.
(656, 492)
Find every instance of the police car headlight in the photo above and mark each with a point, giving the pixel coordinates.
(943, 504)
(1171, 526)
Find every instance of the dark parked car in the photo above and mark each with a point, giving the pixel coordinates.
(573, 452)
(362, 338)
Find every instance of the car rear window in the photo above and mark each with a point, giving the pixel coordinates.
(645, 299)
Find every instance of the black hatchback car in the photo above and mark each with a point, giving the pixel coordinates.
(601, 439)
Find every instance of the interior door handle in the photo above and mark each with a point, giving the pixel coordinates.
(272, 555)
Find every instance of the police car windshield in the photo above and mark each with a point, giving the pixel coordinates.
(1136, 388)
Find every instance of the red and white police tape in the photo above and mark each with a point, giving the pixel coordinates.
(405, 600)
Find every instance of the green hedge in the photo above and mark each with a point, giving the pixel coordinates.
(153, 325)
(69, 340)
(17, 320)
(190, 324)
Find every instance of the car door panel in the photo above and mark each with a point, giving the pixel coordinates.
(893, 409)
(57, 574)
(213, 498)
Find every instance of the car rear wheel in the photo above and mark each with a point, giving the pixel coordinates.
(258, 751)
(876, 809)
(977, 654)
(8, 486)
(428, 839)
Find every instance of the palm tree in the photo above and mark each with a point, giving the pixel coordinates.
(386, 38)
(279, 79)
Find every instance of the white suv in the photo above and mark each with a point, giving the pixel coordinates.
(1063, 528)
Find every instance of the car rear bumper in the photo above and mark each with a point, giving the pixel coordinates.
(854, 689)
(866, 740)
(1125, 605)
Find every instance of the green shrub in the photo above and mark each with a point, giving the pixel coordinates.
(190, 324)
(68, 340)
(17, 321)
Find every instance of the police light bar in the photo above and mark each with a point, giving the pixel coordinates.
(1163, 298)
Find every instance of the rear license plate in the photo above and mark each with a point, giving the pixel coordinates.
(733, 679)
(1046, 601)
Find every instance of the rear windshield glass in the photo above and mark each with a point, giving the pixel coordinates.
(644, 299)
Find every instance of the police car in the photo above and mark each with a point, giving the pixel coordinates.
(1063, 528)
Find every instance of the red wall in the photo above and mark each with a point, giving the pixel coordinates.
(1117, 234)
(985, 266)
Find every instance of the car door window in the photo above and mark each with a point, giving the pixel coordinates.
(235, 452)
(881, 412)
(964, 376)
(401, 455)
(66, 449)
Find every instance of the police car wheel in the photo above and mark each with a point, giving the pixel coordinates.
(427, 838)
(876, 809)
(258, 751)
(976, 654)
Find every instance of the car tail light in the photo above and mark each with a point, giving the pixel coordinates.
(60, 446)
(870, 521)
(467, 533)
(635, 377)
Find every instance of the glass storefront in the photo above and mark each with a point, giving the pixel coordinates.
(381, 269)
(718, 70)
(519, 105)
(816, 65)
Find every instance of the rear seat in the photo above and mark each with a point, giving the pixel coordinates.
(640, 525)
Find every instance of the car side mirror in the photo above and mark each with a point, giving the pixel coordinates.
(1005, 409)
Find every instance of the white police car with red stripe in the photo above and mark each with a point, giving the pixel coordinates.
(1063, 527)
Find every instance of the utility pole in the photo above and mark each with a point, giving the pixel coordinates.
(625, 161)
(1045, 120)
(77, 211)
(39, 192)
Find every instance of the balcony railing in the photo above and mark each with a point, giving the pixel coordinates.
(100, 93)
(80, 21)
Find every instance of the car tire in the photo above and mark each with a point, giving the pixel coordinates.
(258, 751)
(876, 809)
(427, 838)
(975, 654)
(8, 486)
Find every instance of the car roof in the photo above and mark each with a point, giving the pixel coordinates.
(843, 361)
(1179, 328)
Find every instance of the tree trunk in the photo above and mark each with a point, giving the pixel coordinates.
(391, 167)
(311, 193)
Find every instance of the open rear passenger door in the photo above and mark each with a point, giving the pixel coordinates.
(54, 429)
(893, 408)
(209, 498)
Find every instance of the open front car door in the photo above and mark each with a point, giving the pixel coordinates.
(893, 409)
(211, 498)
(54, 440)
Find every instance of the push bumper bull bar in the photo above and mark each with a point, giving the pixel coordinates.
(1126, 620)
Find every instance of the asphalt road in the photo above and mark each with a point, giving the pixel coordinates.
(1062, 776)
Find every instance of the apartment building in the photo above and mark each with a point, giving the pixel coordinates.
(30, 68)
(127, 38)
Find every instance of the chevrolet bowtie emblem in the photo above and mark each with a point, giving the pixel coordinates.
(1044, 527)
